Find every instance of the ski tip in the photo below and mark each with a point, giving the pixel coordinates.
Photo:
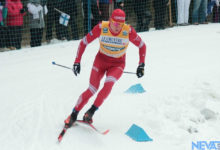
(60, 139)
(106, 132)
(53, 62)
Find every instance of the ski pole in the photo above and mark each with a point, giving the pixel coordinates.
(61, 65)
(129, 72)
(54, 63)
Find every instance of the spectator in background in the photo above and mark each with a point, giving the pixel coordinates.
(199, 11)
(52, 18)
(15, 23)
(104, 9)
(3, 15)
(143, 15)
(71, 10)
(216, 11)
(174, 10)
(183, 12)
(66, 8)
(96, 18)
(36, 17)
(160, 13)
(63, 30)
(111, 6)
(119, 4)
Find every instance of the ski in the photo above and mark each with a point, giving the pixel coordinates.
(94, 128)
(60, 137)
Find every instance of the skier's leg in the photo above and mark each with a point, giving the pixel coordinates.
(96, 75)
(112, 75)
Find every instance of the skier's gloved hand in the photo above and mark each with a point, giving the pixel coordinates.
(76, 68)
(140, 70)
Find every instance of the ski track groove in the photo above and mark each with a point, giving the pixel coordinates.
(17, 123)
(40, 119)
(26, 121)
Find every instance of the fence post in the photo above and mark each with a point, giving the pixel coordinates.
(89, 15)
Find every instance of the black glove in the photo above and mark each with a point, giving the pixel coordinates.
(23, 10)
(76, 68)
(140, 70)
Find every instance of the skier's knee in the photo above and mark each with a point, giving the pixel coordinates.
(92, 89)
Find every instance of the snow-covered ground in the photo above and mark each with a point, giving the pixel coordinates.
(181, 103)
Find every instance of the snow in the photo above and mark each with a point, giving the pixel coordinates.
(181, 103)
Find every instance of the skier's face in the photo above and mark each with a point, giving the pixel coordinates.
(116, 26)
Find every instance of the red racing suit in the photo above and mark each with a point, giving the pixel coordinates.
(110, 59)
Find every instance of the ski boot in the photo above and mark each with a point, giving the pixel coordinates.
(71, 119)
(89, 114)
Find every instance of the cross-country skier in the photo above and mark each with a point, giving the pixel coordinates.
(114, 36)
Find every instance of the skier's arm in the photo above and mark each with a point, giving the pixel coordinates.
(92, 35)
(137, 41)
